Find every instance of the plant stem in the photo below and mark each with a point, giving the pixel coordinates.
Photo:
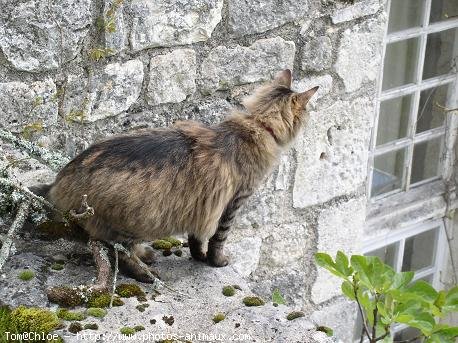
(365, 329)
(374, 325)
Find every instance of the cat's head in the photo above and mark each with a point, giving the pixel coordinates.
(278, 108)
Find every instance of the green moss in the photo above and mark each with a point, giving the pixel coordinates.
(295, 314)
(228, 291)
(96, 312)
(91, 326)
(5, 321)
(237, 287)
(218, 317)
(253, 301)
(57, 266)
(75, 327)
(160, 244)
(102, 299)
(172, 240)
(33, 319)
(328, 331)
(65, 296)
(26, 275)
(69, 315)
(139, 328)
(178, 253)
(127, 331)
(127, 290)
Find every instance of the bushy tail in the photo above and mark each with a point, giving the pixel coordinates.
(41, 190)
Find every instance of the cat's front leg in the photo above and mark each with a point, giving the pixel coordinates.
(215, 253)
(196, 248)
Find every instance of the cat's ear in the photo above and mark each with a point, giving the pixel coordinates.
(301, 99)
(284, 78)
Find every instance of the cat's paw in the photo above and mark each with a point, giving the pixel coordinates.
(218, 260)
(200, 256)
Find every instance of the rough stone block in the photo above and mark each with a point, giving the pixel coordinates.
(114, 25)
(359, 56)
(168, 23)
(37, 36)
(106, 93)
(248, 17)
(244, 255)
(225, 67)
(324, 82)
(340, 227)
(358, 10)
(23, 104)
(172, 77)
(317, 54)
(332, 152)
(340, 316)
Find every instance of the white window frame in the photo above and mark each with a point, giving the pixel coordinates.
(415, 90)
(400, 237)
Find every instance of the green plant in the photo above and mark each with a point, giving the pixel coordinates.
(26, 275)
(385, 297)
(277, 298)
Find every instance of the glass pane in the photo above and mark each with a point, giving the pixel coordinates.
(426, 160)
(443, 10)
(407, 335)
(400, 63)
(388, 172)
(393, 119)
(405, 14)
(430, 111)
(387, 254)
(419, 251)
(439, 57)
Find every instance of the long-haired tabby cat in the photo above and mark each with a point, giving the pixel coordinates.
(188, 178)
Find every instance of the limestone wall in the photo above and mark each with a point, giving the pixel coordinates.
(73, 71)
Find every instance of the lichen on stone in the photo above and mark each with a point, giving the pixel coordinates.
(33, 319)
(142, 307)
(161, 244)
(127, 290)
(102, 299)
(139, 328)
(327, 330)
(57, 266)
(26, 275)
(128, 331)
(228, 291)
(253, 301)
(172, 240)
(295, 314)
(66, 296)
(96, 312)
(91, 326)
(75, 327)
(69, 315)
(218, 317)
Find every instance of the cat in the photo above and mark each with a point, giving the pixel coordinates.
(188, 178)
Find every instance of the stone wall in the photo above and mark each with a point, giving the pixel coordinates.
(74, 71)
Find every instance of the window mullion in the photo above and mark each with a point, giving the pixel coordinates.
(400, 255)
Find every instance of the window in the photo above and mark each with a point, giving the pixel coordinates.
(419, 79)
(418, 249)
